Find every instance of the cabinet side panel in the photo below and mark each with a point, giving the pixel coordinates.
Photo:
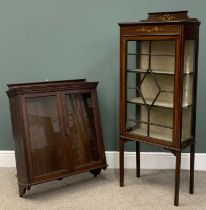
(18, 136)
(191, 31)
(99, 127)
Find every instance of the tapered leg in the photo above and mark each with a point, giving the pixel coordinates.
(137, 159)
(177, 178)
(121, 161)
(192, 162)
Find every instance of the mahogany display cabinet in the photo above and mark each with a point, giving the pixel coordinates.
(56, 129)
(158, 82)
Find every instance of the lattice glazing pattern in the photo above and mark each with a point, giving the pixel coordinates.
(151, 88)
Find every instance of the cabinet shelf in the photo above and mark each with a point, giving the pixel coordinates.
(159, 103)
(168, 55)
(155, 71)
(155, 124)
(153, 134)
(161, 91)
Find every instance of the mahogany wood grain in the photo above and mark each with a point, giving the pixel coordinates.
(121, 161)
(137, 159)
(192, 163)
(177, 178)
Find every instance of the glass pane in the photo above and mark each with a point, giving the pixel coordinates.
(81, 128)
(163, 56)
(137, 50)
(136, 119)
(189, 56)
(44, 130)
(189, 68)
(161, 123)
(132, 62)
(150, 88)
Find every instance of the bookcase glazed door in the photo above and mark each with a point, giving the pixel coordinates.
(150, 77)
(44, 131)
(81, 129)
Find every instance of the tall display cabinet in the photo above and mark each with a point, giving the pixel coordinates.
(158, 81)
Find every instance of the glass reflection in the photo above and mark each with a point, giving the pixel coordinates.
(44, 134)
(81, 129)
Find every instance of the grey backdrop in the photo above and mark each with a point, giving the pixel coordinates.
(67, 39)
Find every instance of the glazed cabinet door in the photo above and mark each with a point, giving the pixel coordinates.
(82, 132)
(44, 140)
(150, 71)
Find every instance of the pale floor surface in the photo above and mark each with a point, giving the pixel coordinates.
(154, 190)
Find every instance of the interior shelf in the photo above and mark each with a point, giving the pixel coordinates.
(153, 134)
(170, 55)
(151, 123)
(155, 71)
(159, 103)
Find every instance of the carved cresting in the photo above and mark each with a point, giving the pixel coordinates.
(149, 29)
(167, 17)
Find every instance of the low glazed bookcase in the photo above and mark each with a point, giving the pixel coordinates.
(57, 131)
(158, 82)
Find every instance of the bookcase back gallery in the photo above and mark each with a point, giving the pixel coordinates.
(56, 129)
(158, 80)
